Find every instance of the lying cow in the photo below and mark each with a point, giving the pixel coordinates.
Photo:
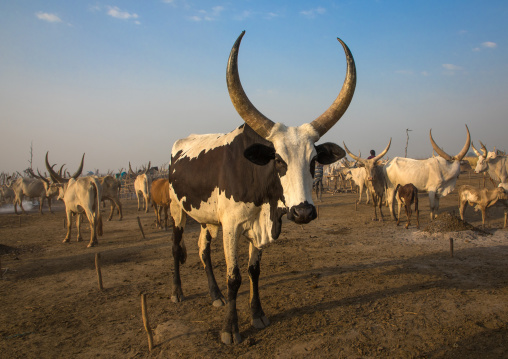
(481, 199)
(407, 195)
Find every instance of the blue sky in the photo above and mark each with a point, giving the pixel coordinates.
(122, 80)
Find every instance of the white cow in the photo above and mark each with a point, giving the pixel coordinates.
(491, 162)
(359, 177)
(436, 175)
(80, 195)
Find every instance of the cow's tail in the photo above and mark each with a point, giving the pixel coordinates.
(98, 191)
(416, 199)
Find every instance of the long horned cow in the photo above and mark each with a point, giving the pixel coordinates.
(437, 175)
(246, 181)
(80, 195)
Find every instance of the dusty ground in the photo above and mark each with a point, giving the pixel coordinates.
(342, 286)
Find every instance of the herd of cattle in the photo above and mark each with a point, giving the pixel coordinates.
(248, 179)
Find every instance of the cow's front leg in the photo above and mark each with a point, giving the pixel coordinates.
(208, 232)
(49, 205)
(434, 204)
(69, 227)
(259, 319)
(230, 330)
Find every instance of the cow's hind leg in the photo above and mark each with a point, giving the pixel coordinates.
(69, 227)
(179, 251)
(208, 232)
(259, 319)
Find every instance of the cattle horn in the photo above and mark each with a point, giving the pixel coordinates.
(484, 149)
(446, 156)
(149, 166)
(374, 159)
(80, 169)
(131, 172)
(263, 125)
(42, 177)
(475, 150)
(333, 114)
(356, 158)
(54, 176)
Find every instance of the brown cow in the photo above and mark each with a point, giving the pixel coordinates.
(160, 200)
(406, 195)
(480, 198)
(111, 191)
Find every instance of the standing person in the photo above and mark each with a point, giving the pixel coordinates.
(318, 180)
(372, 154)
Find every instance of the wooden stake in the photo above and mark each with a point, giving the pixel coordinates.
(98, 269)
(19, 222)
(144, 313)
(317, 209)
(356, 205)
(141, 228)
(451, 247)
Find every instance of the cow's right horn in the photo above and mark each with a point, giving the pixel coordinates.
(475, 150)
(484, 149)
(446, 156)
(356, 158)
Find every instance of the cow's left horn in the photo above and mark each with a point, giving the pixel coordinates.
(80, 169)
(54, 176)
(446, 156)
(247, 111)
(330, 117)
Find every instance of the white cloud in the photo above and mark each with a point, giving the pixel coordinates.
(48, 17)
(115, 12)
(244, 15)
(271, 15)
(404, 72)
(211, 15)
(489, 44)
(451, 67)
(313, 12)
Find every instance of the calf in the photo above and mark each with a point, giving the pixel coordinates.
(160, 200)
(406, 195)
(481, 199)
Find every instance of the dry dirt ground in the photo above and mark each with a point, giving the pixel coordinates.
(342, 286)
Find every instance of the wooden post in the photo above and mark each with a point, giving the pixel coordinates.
(141, 227)
(98, 269)
(146, 324)
(20, 222)
(317, 210)
(451, 247)
(356, 205)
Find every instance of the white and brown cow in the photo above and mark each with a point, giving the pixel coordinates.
(80, 195)
(481, 199)
(492, 163)
(245, 181)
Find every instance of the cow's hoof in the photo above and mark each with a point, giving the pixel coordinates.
(79, 239)
(177, 296)
(90, 245)
(66, 240)
(228, 339)
(260, 323)
(219, 302)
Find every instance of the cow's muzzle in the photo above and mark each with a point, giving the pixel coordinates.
(303, 213)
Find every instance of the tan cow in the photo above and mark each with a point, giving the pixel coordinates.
(481, 199)
(80, 195)
(111, 191)
(160, 200)
(142, 185)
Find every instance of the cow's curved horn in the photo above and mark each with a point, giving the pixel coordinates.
(475, 150)
(247, 111)
(54, 176)
(484, 149)
(131, 172)
(149, 166)
(263, 125)
(80, 169)
(330, 117)
(356, 158)
(446, 156)
(378, 157)
(61, 169)
(42, 177)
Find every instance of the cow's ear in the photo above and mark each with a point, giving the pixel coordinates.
(328, 153)
(259, 154)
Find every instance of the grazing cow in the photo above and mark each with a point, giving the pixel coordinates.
(142, 185)
(111, 191)
(245, 181)
(436, 175)
(359, 176)
(496, 165)
(160, 200)
(80, 195)
(407, 195)
(375, 179)
(7, 194)
(31, 188)
(481, 199)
